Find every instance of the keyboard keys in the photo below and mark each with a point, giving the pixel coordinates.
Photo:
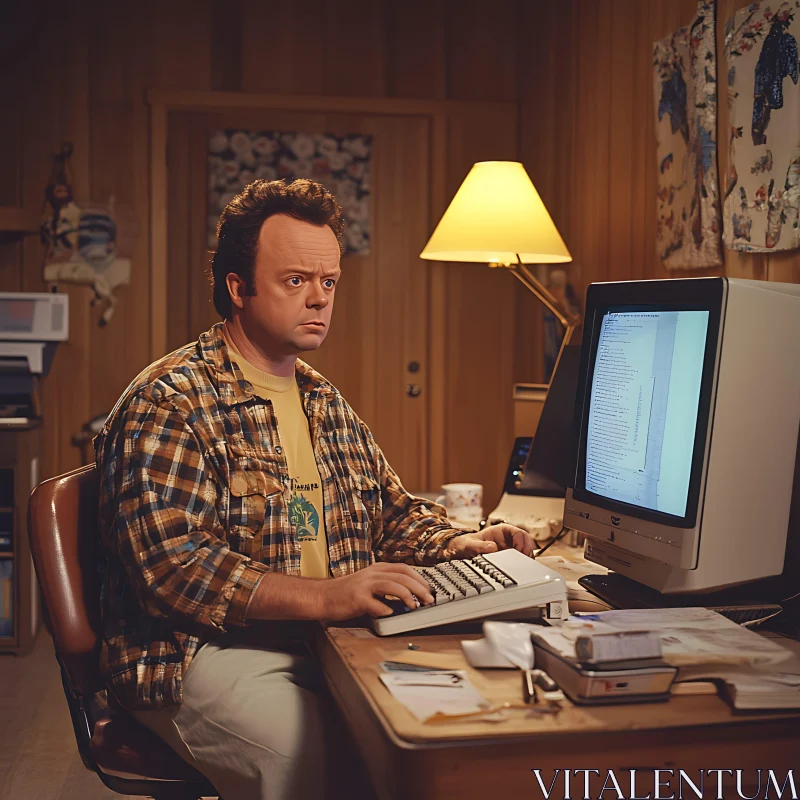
(486, 566)
(457, 580)
(454, 580)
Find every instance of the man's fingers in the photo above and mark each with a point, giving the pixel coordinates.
(497, 535)
(508, 536)
(522, 541)
(394, 589)
(416, 586)
(420, 581)
(377, 609)
(404, 571)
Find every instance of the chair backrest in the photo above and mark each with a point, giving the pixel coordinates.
(62, 527)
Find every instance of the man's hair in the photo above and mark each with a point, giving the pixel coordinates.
(240, 224)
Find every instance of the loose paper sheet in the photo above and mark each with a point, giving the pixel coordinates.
(426, 694)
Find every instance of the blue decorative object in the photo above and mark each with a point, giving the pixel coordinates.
(778, 60)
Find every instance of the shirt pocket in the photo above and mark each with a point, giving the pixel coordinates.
(256, 507)
(362, 506)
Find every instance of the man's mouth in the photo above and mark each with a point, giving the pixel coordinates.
(315, 324)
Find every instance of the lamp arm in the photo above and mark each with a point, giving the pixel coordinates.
(529, 280)
(532, 284)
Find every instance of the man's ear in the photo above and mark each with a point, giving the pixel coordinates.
(236, 289)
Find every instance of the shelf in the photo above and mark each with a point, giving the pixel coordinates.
(30, 424)
(16, 223)
(6, 554)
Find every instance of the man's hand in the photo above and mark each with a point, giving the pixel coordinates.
(334, 599)
(490, 540)
(353, 595)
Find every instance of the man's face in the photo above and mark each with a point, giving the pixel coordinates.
(295, 276)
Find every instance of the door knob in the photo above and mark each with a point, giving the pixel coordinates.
(412, 390)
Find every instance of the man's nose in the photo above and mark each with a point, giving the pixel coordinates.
(317, 298)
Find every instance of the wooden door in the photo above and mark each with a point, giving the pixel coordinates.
(380, 318)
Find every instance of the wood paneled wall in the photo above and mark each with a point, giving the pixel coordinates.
(579, 71)
(84, 78)
(588, 133)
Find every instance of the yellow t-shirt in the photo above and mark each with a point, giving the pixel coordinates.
(306, 506)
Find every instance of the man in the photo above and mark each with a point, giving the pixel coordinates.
(240, 495)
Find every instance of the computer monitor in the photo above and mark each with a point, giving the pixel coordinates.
(550, 463)
(688, 410)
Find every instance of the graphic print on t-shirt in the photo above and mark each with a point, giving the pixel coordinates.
(302, 513)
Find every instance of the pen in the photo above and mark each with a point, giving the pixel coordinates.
(528, 688)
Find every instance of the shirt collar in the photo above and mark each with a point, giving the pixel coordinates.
(231, 384)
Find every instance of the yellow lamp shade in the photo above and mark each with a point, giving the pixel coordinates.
(496, 215)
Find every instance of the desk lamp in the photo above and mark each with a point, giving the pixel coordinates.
(497, 217)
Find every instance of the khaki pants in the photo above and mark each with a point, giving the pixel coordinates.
(258, 723)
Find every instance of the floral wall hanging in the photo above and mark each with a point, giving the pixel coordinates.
(685, 84)
(762, 191)
(340, 163)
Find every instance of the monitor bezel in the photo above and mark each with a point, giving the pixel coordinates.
(696, 294)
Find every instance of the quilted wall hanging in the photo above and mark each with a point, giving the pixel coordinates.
(688, 223)
(762, 191)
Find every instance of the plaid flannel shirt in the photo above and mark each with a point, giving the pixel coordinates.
(194, 510)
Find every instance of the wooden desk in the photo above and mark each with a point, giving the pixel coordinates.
(493, 761)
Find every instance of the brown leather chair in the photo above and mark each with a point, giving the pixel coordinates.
(128, 758)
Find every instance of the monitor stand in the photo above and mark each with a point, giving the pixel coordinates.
(621, 592)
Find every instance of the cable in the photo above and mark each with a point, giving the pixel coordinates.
(752, 623)
(561, 533)
(790, 597)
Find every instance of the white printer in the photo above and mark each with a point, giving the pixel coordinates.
(31, 326)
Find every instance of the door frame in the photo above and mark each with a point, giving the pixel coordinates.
(161, 102)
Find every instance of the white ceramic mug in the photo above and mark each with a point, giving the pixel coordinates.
(462, 500)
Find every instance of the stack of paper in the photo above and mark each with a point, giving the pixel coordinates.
(688, 635)
(751, 688)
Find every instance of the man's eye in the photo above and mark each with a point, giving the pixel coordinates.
(295, 281)
(330, 283)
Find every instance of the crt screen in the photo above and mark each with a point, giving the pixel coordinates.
(643, 407)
